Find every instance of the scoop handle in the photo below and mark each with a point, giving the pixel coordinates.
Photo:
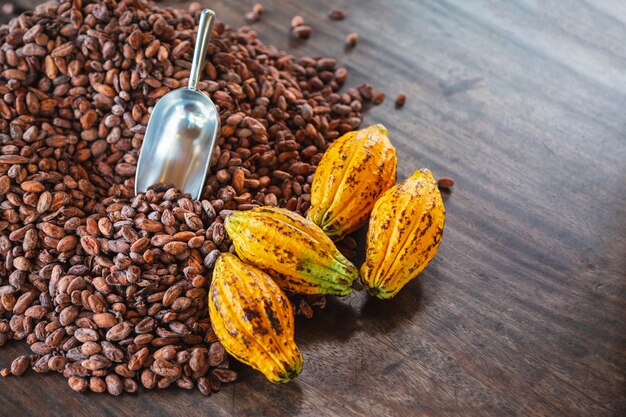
(207, 18)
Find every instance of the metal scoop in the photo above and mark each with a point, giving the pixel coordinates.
(182, 130)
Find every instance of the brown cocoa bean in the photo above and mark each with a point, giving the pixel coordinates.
(95, 362)
(104, 320)
(20, 365)
(77, 384)
(166, 369)
(114, 384)
(97, 384)
(119, 331)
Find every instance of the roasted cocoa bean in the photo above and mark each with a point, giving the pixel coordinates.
(20, 365)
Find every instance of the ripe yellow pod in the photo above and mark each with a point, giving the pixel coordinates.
(404, 234)
(253, 319)
(353, 173)
(292, 249)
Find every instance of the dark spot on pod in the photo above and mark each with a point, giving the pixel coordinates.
(271, 316)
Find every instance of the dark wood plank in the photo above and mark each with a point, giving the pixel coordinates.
(523, 312)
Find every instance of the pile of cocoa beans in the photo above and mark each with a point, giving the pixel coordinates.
(109, 288)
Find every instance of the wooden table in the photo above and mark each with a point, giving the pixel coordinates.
(523, 311)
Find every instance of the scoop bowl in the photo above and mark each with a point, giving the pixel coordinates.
(182, 130)
(179, 141)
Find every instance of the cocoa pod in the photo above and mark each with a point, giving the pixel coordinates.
(254, 319)
(292, 249)
(404, 234)
(353, 173)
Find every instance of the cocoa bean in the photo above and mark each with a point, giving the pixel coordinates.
(114, 384)
(20, 365)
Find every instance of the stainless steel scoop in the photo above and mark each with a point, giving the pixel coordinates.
(182, 130)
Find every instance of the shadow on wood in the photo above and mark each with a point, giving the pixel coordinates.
(342, 317)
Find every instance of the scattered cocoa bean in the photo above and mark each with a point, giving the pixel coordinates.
(20, 365)
(400, 100)
(445, 182)
(297, 21)
(351, 39)
(336, 14)
(302, 31)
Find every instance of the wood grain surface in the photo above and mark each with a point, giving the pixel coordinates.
(523, 311)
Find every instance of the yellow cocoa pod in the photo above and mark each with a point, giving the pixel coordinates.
(404, 233)
(292, 249)
(253, 319)
(353, 173)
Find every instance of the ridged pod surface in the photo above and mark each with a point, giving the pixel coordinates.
(253, 319)
(404, 233)
(292, 249)
(353, 173)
